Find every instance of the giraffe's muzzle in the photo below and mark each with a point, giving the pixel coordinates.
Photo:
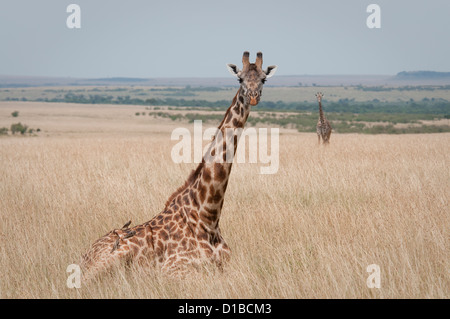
(254, 98)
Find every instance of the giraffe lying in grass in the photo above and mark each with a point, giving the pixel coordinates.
(187, 231)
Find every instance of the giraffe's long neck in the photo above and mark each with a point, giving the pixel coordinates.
(321, 117)
(210, 179)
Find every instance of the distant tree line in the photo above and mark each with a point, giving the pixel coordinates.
(429, 106)
(341, 122)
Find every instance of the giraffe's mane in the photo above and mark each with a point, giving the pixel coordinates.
(229, 109)
(192, 177)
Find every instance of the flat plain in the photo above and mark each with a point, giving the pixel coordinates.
(308, 231)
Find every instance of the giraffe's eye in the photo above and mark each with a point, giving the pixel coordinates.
(263, 80)
(240, 80)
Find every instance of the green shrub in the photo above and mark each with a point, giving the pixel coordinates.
(19, 128)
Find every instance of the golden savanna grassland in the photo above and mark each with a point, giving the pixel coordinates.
(308, 231)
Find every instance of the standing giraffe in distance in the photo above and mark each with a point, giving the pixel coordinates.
(323, 125)
(186, 233)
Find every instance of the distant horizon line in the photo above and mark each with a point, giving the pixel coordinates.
(206, 77)
(182, 77)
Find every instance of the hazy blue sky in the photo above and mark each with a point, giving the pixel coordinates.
(196, 38)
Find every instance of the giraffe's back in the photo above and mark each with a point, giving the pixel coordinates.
(118, 246)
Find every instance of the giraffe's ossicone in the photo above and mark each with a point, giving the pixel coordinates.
(187, 231)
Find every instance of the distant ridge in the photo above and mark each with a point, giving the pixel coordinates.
(422, 75)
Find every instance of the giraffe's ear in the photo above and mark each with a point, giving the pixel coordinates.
(233, 69)
(270, 71)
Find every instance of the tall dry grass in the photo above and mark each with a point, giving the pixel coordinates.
(308, 231)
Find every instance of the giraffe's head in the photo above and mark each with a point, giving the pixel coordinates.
(319, 96)
(252, 77)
